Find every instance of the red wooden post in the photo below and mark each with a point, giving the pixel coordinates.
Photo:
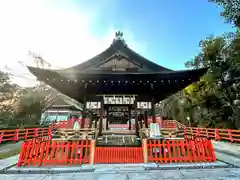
(1, 136)
(22, 153)
(16, 136)
(198, 132)
(185, 133)
(217, 137)
(26, 134)
(36, 132)
(230, 135)
(145, 150)
(50, 133)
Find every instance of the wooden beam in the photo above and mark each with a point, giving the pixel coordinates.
(146, 118)
(153, 111)
(107, 120)
(92, 151)
(84, 105)
(136, 117)
(101, 117)
(129, 120)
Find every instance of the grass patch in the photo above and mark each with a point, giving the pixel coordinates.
(9, 153)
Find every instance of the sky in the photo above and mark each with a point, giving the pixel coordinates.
(66, 33)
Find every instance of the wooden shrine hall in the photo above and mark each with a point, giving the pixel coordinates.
(118, 84)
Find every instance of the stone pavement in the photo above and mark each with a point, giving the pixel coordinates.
(232, 149)
(8, 162)
(185, 174)
(227, 152)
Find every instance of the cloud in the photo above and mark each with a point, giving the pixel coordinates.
(60, 31)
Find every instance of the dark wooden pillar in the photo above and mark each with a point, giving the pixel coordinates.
(96, 121)
(141, 121)
(107, 120)
(84, 106)
(136, 118)
(101, 117)
(84, 110)
(146, 118)
(153, 110)
(91, 119)
(129, 121)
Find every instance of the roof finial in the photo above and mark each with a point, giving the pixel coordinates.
(119, 35)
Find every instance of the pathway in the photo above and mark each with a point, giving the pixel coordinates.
(227, 152)
(184, 174)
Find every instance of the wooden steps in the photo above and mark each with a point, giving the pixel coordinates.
(119, 140)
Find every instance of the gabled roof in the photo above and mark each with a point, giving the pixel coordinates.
(117, 70)
(117, 47)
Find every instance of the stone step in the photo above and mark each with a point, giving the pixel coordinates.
(118, 141)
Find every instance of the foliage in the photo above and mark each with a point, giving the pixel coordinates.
(214, 101)
(231, 10)
(211, 102)
(7, 93)
(23, 106)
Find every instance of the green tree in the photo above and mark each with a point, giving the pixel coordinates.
(231, 10)
(211, 102)
(8, 94)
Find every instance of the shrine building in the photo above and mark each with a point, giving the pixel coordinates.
(118, 84)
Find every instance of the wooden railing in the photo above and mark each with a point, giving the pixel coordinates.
(165, 132)
(169, 128)
(213, 134)
(24, 134)
(70, 134)
(59, 152)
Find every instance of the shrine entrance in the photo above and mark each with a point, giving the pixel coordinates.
(123, 114)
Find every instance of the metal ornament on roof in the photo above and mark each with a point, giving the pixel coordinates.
(119, 36)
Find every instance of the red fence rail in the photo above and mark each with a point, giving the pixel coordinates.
(24, 134)
(168, 151)
(214, 134)
(118, 155)
(36, 153)
(189, 132)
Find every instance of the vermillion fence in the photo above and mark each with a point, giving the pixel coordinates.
(213, 134)
(189, 132)
(36, 153)
(24, 134)
(118, 155)
(40, 152)
(169, 151)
